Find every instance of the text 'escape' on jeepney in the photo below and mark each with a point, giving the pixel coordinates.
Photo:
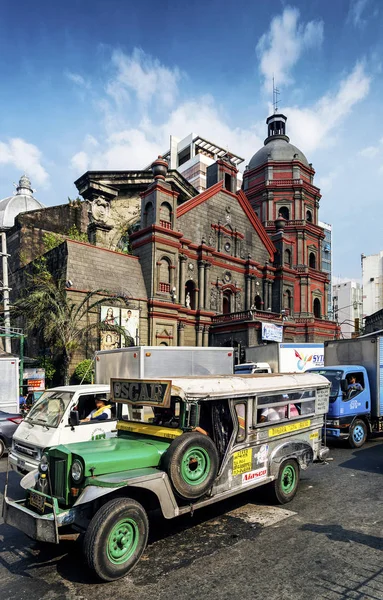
(194, 441)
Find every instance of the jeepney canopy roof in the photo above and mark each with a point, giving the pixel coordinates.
(242, 385)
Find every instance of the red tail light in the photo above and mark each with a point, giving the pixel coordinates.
(16, 420)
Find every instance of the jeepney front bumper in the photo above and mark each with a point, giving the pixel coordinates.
(43, 528)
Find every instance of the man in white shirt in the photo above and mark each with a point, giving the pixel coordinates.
(102, 411)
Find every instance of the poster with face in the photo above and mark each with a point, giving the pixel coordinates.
(130, 322)
(109, 340)
(110, 315)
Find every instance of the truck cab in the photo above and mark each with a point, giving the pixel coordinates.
(350, 403)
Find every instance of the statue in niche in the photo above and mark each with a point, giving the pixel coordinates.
(213, 299)
(187, 300)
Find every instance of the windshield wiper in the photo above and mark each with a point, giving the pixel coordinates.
(42, 423)
(29, 421)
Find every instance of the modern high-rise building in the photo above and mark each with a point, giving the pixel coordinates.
(327, 261)
(193, 155)
(347, 302)
(372, 280)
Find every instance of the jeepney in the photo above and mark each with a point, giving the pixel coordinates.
(199, 440)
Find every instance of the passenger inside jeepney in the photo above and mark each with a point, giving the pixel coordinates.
(167, 417)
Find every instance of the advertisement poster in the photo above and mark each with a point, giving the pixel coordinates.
(126, 318)
(297, 358)
(272, 332)
(35, 379)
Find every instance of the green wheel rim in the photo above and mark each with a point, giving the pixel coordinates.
(122, 541)
(288, 479)
(195, 466)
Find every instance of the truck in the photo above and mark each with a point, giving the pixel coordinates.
(48, 422)
(9, 384)
(249, 368)
(287, 357)
(354, 368)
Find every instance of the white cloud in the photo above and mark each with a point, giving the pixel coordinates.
(356, 10)
(25, 157)
(77, 79)
(80, 162)
(369, 152)
(145, 76)
(315, 127)
(325, 182)
(281, 47)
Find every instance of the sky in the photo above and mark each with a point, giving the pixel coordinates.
(102, 84)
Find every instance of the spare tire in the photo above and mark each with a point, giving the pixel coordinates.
(191, 463)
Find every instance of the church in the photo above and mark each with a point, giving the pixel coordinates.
(220, 267)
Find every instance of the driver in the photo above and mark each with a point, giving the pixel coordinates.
(353, 384)
(102, 411)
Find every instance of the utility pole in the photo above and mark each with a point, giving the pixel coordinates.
(5, 289)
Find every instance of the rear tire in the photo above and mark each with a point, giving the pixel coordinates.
(358, 434)
(285, 486)
(191, 463)
(2, 448)
(116, 538)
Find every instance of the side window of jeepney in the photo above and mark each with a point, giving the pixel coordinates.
(283, 406)
(240, 410)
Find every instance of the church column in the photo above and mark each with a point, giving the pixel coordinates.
(181, 334)
(201, 283)
(199, 329)
(207, 286)
(181, 284)
(206, 336)
(248, 292)
(270, 294)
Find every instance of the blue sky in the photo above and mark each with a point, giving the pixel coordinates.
(101, 84)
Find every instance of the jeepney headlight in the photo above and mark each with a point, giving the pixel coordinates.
(77, 471)
(43, 464)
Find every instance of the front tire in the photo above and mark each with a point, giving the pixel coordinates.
(284, 488)
(2, 448)
(358, 434)
(116, 538)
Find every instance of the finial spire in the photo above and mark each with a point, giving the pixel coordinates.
(275, 97)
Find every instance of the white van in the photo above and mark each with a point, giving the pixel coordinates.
(251, 367)
(47, 423)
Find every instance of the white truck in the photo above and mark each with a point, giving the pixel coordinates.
(9, 384)
(49, 421)
(287, 357)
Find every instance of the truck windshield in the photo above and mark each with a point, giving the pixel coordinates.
(50, 408)
(334, 378)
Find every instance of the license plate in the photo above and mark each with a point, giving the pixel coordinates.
(37, 501)
(21, 463)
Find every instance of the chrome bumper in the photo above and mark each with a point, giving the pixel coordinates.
(324, 452)
(42, 528)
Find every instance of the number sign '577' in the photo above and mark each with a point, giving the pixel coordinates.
(137, 391)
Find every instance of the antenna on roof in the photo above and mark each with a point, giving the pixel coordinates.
(275, 97)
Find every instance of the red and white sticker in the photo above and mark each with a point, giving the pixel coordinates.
(253, 476)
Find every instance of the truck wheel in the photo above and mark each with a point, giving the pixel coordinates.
(191, 463)
(284, 488)
(2, 448)
(116, 537)
(358, 433)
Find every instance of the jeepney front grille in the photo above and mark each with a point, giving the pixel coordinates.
(57, 471)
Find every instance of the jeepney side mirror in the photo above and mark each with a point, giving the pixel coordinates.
(344, 385)
(74, 418)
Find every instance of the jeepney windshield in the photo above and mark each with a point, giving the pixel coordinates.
(153, 415)
(50, 408)
(334, 377)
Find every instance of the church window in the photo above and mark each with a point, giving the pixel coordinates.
(166, 215)
(258, 302)
(165, 275)
(148, 215)
(288, 301)
(287, 255)
(284, 212)
(309, 216)
(317, 308)
(228, 182)
(312, 260)
(190, 295)
(226, 302)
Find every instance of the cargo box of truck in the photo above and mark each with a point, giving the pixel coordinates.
(287, 357)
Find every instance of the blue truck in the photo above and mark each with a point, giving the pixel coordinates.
(355, 370)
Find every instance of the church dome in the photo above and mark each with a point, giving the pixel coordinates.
(277, 145)
(22, 201)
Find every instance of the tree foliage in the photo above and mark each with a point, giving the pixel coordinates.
(83, 373)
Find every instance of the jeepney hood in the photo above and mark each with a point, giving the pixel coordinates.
(118, 454)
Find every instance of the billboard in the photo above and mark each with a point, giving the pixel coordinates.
(272, 332)
(297, 358)
(126, 318)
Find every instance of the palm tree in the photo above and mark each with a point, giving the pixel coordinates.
(51, 315)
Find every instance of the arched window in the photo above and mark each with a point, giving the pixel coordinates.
(164, 274)
(309, 216)
(190, 295)
(226, 303)
(284, 212)
(258, 302)
(312, 260)
(166, 215)
(288, 301)
(148, 214)
(317, 308)
(287, 257)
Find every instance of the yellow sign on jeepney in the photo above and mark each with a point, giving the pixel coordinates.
(289, 428)
(242, 461)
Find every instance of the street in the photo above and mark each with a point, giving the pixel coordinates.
(326, 544)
